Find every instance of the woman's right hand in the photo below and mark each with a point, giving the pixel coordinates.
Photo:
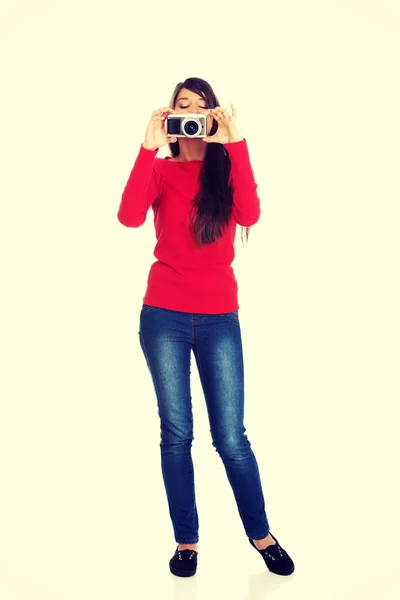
(156, 134)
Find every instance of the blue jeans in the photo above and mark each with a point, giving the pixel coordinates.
(167, 338)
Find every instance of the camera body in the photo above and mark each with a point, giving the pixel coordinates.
(189, 125)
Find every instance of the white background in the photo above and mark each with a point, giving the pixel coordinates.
(83, 511)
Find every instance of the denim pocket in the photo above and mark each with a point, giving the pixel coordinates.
(146, 308)
(233, 316)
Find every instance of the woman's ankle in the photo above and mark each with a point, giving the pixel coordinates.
(187, 546)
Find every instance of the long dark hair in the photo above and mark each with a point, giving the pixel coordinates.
(214, 200)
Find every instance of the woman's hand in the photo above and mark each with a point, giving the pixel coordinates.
(156, 135)
(226, 132)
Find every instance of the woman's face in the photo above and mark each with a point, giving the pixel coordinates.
(189, 102)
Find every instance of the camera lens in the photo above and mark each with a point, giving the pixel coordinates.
(191, 127)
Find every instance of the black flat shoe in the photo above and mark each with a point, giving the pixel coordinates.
(183, 563)
(276, 558)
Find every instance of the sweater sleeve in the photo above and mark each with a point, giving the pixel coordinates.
(140, 191)
(246, 203)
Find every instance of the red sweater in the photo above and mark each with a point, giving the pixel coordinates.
(184, 278)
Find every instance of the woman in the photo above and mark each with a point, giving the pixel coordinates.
(198, 196)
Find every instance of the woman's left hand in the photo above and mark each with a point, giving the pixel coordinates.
(226, 132)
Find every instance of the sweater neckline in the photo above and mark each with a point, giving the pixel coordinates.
(168, 158)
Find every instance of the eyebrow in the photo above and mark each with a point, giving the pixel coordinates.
(184, 98)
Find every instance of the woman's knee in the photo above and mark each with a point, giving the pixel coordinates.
(174, 444)
(235, 447)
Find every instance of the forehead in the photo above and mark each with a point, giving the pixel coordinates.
(188, 95)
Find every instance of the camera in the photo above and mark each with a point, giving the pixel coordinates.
(188, 125)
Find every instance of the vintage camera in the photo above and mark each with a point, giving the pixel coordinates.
(188, 125)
